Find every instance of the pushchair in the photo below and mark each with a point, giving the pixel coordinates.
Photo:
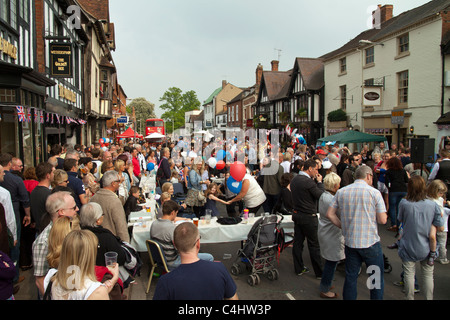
(259, 252)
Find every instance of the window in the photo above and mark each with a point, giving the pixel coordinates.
(370, 55)
(343, 65)
(403, 43)
(403, 83)
(104, 90)
(369, 82)
(343, 97)
(8, 12)
(7, 95)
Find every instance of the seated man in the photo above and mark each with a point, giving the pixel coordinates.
(194, 279)
(162, 231)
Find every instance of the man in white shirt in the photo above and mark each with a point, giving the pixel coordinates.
(5, 200)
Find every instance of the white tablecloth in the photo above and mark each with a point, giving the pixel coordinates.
(210, 233)
(143, 215)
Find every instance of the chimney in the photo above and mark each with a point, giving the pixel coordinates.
(382, 14)
(224, 84)
(259, 72)
(275, 64)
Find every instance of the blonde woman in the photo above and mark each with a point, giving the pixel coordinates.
(60, 179)
(61, 228)
(195, 187)
(124, 186)
(75, 278)
(330, 237)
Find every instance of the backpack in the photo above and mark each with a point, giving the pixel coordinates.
(133, 262)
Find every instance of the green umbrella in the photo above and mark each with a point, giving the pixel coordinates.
(351, 136)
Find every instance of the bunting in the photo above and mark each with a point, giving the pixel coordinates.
(24, 114)
(21, 114)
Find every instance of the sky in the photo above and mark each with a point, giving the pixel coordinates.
(196, 44)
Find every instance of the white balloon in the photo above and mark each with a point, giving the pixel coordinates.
(212, 162)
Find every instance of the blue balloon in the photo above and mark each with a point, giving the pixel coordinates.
(221, 155)
(150, 166)
(233, 185)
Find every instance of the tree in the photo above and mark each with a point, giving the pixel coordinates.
(144, 110)
(176, 104)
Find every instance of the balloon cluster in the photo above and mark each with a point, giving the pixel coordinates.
(298, 138)
(104, 143)
(237, 170)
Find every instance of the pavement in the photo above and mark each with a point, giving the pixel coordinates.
(289, 286)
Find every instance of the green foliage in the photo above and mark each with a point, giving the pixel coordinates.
(176, 103)
(337, 115)
(144, 110)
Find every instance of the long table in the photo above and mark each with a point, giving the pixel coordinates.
(213, 232)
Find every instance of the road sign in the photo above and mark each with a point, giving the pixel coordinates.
(398, 117)
(122, 120)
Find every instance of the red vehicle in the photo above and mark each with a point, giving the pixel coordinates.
(154, 125)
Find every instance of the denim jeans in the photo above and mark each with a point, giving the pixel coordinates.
(372, 257)
(201, 256)
(329, 269)
(394, 200)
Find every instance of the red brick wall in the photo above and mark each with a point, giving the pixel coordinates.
(40, 32)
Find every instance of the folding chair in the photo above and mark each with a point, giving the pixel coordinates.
(157, 259)
(178, 192)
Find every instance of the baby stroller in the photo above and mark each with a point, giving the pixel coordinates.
(259, 252)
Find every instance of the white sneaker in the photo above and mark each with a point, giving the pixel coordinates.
(444, 261)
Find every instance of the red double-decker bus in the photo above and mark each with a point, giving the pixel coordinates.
(154, 125)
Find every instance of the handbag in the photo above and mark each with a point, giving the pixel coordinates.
(201, 196)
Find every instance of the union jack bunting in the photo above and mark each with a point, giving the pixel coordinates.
(82, 122)
(57, 118)
(28, 114)
(36, 115)
(41, 116)
(21, 114)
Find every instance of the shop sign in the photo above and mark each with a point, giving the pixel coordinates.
(372, 96)
(8, 48)
(67, 94)
(61, 60)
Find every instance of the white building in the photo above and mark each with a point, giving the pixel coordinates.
(396, 66)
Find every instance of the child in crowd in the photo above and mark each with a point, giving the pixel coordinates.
(212, 193)
(131, 205)
(436, 191)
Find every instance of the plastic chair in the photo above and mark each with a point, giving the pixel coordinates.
(157, 259)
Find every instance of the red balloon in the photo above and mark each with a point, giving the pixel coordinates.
(238, 171)
(220, 165)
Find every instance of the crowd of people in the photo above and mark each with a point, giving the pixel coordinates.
(74, 207)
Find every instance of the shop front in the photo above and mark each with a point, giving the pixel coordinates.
(22, 96)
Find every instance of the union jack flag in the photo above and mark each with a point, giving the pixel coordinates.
(57, 118)
(28, 114)
(48, 118)
(82, 122)
(41, 116)
(21, 114)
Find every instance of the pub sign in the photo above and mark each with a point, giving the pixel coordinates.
(61, 60)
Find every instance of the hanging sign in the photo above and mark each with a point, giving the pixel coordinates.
(61, 60)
